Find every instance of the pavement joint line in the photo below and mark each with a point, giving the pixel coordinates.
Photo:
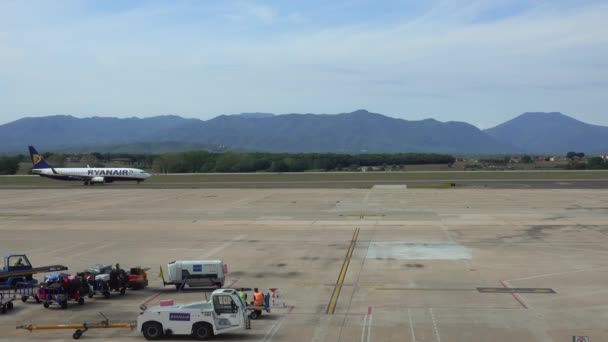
(219, 248)
(559, 273)
(369, 323)
(273, 330)
(419, 289)
(87, 251)
(336, 293)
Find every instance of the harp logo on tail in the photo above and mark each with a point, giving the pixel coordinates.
(36, 158)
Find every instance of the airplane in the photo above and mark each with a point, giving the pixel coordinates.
(88, 175)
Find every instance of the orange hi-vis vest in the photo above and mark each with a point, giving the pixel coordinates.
(258, 299)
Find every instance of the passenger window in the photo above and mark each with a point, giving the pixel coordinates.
(224, 304)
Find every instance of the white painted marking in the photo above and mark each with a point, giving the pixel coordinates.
(273, 330)
(321, 329)
(447, 232)
(417, 250)
(369, 327)
(364, 328)
(409, 314)
(367, 196)
(390, 186)
(222, 246)
(435, 325)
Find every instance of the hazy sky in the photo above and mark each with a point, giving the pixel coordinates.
(477, 61)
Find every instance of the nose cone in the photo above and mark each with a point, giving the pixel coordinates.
(147, 175)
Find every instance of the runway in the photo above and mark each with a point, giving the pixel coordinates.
(525, 180)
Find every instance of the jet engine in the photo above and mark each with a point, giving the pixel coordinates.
(96, 180)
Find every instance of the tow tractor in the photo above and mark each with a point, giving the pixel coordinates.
(223, 312)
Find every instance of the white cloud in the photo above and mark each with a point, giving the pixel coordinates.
(250, 9)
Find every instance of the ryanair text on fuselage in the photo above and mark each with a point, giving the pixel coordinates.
(109, 172)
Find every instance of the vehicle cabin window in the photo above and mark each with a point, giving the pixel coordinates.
(224, 304)
(18, 261)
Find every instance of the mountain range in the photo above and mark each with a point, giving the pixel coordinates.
(356, 132)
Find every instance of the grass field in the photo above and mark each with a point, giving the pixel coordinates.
(324, 180)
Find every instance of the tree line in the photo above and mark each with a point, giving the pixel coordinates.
(203, 161)
(9, 164)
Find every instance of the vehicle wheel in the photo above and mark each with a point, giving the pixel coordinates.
(37, 299)
(255, 314)
(202, 331)
(91, 294)
(77, 334)
(46, 304)
(24, 299)
(80, 301)
(9, 305)
(64, 305)
(152, 330)
(123, 291)
(3, 309)
(178, 286)
(106, 295)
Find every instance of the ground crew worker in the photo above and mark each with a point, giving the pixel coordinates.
(19, 262)
(243, 296)
(258, 297)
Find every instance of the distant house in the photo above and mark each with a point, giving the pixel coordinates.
(558, 159)
(75, 159)
(122, 161)
(515, 160)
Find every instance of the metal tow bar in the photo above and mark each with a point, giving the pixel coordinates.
(81, 328)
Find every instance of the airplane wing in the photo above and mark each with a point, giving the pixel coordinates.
(82, 178)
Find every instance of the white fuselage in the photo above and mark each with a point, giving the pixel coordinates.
(94, 174)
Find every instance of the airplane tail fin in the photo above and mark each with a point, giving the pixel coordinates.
(37, 159)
